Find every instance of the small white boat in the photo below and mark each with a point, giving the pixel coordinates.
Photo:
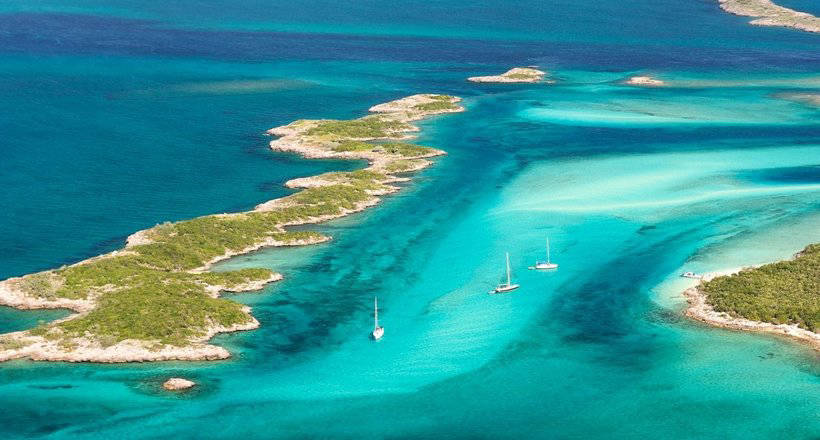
(545, 265)
(509, 286)
(691, 275)
(378, 332)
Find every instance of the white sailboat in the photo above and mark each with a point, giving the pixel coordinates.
(378, 332)
(509, 286)
(545, 265)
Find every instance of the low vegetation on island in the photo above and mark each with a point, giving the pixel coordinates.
(767, 13)
(514, 75)
(155, 299)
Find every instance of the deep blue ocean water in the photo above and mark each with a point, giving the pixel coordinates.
(119, 115)
(810, 6)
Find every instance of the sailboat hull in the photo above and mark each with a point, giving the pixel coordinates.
(544, 266)
(505, 288)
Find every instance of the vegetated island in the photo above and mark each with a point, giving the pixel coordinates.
(156, 300)
(770, 14)
(644, 80)
(782, 298)
(514, 75)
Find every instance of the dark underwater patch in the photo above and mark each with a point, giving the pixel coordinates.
(51, 387)
(790, 175)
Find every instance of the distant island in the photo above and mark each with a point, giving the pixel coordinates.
(644, 80)
(781, 298)
(156, 300)
(514, 75)
(770, 14)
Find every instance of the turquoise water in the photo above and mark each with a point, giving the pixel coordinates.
(124, 115)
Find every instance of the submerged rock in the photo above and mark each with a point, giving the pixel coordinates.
(177, 383)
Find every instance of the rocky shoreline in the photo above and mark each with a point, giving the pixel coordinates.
(770, 14)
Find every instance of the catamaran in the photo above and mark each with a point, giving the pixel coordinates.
(544, 265)
(378, 332)
(509, 286)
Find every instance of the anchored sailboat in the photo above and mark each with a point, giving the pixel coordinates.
(544, 265)
(509, 286)
(378, 332)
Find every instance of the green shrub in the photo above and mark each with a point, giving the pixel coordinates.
(168, 312)
(334, 196)
(437, 105)
(365, 180)
(9, 343)
(354, 146)
(41, 284)
(406, 150)
(368, 127)
(402, 165)
(522, 76)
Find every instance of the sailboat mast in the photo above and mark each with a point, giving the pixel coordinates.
(375, 313)
(548, 251)
(508, 269)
